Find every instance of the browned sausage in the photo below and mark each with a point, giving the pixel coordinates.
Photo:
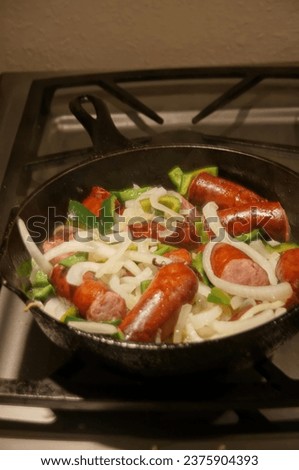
(179, 256)
(287, 269)
(173, 286)
(94, 300)
(205, 187)
(183, 233)
(233, 265)
(269, 216)
(94, 200)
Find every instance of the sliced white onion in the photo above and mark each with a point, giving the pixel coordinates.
(33, 250)
(236, 301)
(93, 327)
(132, 267)
(233, 327)
(115, 285)
(203, 289)
(76, 272)
(68, 247)
(107, 267)
(191, 333)
(211, 216)
(205, 317)
(56, 307)
(148, 258)
(181, 322)
(280, 291)
(260, 308)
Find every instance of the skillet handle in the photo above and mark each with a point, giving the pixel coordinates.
(102, 131)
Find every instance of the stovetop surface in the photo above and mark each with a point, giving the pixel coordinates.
(76, 396)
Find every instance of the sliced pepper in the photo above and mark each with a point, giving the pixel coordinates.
(201, 232)
(73, 259)
(71, 314)
(40, 279)
(250, 236)
(146, 205)
(106, 220)
(163, 248)
(281, 248)
(169, 201)
(175, 175)
(218, 296)
(197, 264)
(81, 216)
(144, 285)
(130, 193)
(182, 180)
(25, 268)
(41, 293)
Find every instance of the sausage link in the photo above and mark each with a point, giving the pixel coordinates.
(173, 286)
(233, 265)
(183, 233)
(93, 298)
(205, 187)
(94, 200)
(270, 216)
(179, 256)
(287, 269)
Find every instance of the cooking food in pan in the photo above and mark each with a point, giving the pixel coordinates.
(207, 259)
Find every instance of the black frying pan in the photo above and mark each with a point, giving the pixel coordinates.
(145, 166)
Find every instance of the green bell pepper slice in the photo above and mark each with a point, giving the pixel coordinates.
(218, 296)
(80, 216)
(41, 293)
(73, 259)
(106, 218)
(281, 248)
(183, 180)
(129, 193)
(144, 285)
(197, 264)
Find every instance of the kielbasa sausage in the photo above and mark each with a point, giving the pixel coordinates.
(269, 216)
(233, 265)
(93, 298)
(205, 188)
(173, 286)
(287, 269)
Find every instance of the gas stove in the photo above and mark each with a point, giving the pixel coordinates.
(53, 399)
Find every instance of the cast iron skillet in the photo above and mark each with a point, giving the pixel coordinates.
(149, 165)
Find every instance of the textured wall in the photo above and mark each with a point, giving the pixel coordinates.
(128, 34)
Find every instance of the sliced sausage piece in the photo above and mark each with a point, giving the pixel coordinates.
(269, 216)
(181, 234)
(94, 300)
(173, 286)
(205, 188)
(233, 265)
(94, 200)
(179, 256)
(287, 269)
(58, 279)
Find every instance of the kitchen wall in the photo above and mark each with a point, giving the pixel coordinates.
(128, 34)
